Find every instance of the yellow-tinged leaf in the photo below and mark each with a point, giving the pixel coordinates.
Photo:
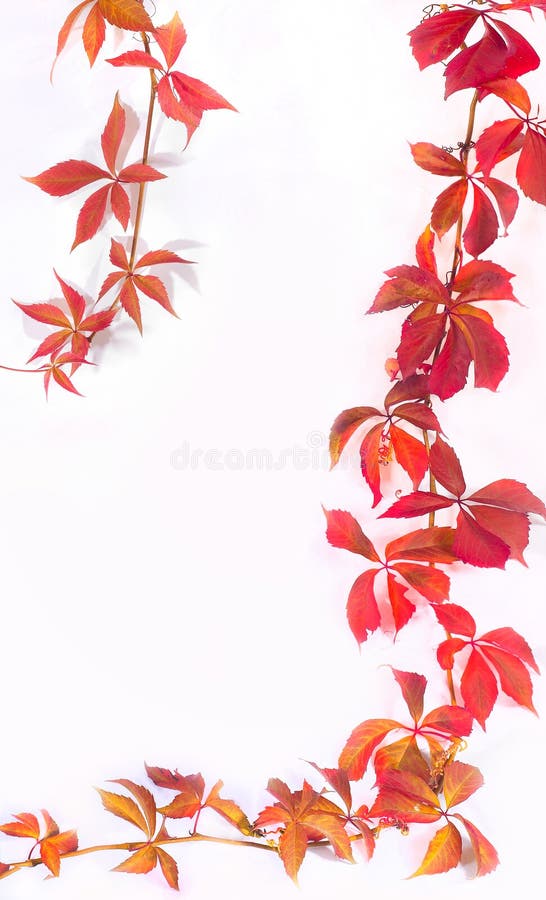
(145, 799)
(486, 856)
(362, 742)
(50, 857)
(460, 782)
(124, 808)
(332, 828)
(129, 14)
(292, 847)
(228, 809)
(443, 853)
(169, 868)
(139, 863)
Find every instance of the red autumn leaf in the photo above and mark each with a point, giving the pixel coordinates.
(486, 856)
(156, 258)
(474, 545)
(139, 863)
(121, 206)
(343, 531)
(113, 134)
(138, 173)
(369, 461)
(410, 453)
(362, 742)
(478, 687)
(434, 159)
(45, 312)
(137, 58)
(419, 503)
(498, 142)
(531, 168)
(171, 39)
(118, 255)
(424, 545)
(228, 809)
(403, 755)
(408, 285)
(55, 846)
(292, 848)
(514, 678)
(450, 370)
(420, 338)
(362, 610)
(344, 427)
(510, 527)
(460, 782)
(66, 28)
(67, 177)
(169, 867)
(483, 226)
(446, 652)
(486, 345)
(27, 825)
(452, 720)
(483, 280)
(511, 642)
(94, 32)
(402, 608)
(407, 796)
(507, 200)
(477, 64)
(128, 14)
(429, 582)
(414, 387)
(91, 216)
(153, 287)
(439, 36)
(174, 781)
(338, 780)
(521, 57)
(446, 467)
(510, 494)
(510, 90)
(129, 300)
(448, 207)
(455, 619)
(419, 415)
(443, 853)
(424, 251)
(413, 691)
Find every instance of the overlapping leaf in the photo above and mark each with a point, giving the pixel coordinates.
(51, 842)
(127, 14)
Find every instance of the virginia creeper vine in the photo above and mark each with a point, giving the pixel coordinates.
(418, 778)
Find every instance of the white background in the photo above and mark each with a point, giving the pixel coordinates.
(159, 609)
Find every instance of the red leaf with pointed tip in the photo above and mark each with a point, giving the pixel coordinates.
(129, 300)
(402, 608)
(521, 57)
(531, 168)
(507, 200)
(362, 611)
(511, 642)
(174, 781)
(153, 287)
(424, 251)
(474, 545)
(510, 90)
(483, 280)
(413, 691)
(482, 229)
(76, 302)
(455, 619)
(487, 347)
(446, 652)
(98, 321)
(419, 415)
(420, 503)
(477, 64)
(27, 825)
(140, 863)
(415, 387)
(292, 848)
(109, 282)
(338, 780)
(63, 380)
(453, 720)
(197, 94)
(410, 453)
(139, 173)
(420, 337)
(120, 204)
(443, 853)
(439, 36)
(408, 285)
(159, 257)
(124, 808)
(450, 370)
(169, 867)
(448, 207)
(118, 255)
(91, 216)
(434, 159)
(510, 527)
(429, 582)
(403, 755)
(510, 494)
(46, 313)
(113, 134)
(66, 28)
(52, 344)
(171, 38)
(460, 782)
(369, 461)
(446, 467)
(343, 531)
(479, 688)
(136, 58)
(364, 739)
(345, 426)
(514, 678)
(486, 856)
(145, 800)
(498, 142)
(173, 109)
(67, 177)
(411, 787)
(128, 14)
(424, 545)
(94, 32)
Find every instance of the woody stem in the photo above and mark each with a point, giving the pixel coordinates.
(145, 155)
